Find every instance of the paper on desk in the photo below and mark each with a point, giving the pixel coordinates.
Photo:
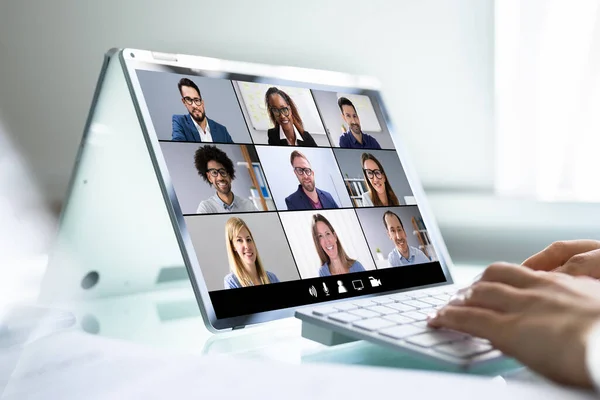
(74, 365)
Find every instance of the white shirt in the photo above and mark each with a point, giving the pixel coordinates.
(415, 256)
(366, 200)
(204, 136)
(282, 135)
(214, 205)
(593, 355)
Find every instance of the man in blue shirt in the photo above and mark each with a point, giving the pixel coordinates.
(307, 197)
(403, 254)
(354, 138)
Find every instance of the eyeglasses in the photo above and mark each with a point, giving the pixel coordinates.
(215, 172)
(197, 100)
(373, 172)
(303, 171)
(278, 111)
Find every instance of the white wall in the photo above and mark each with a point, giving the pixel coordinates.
(434, 58)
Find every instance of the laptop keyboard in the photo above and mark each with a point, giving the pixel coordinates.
(400, 320)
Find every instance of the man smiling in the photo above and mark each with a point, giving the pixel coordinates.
(307, 197)
(354, 138)
(195, 126)
(217, 169)
(403, 254)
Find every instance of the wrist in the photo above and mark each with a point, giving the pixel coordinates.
(592, 354)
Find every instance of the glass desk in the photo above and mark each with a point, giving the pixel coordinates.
(170, 319)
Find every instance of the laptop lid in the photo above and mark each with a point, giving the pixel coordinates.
(290, 186)
(284, 187)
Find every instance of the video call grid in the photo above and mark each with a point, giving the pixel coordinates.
(278, 211)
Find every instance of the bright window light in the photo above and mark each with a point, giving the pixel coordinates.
(547, 99)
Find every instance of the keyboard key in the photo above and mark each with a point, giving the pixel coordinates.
(417, 316)
(433, 301)
(401, 331)
(364, 313)
(383, 300)
(428, 311)
(416, 304)
(373, 324)
(443, 297)
(399, 318)
(401, 297)
(344, 306)
(344, 317)
(400, 307)
(464, 349)
(419, 295)
(383, 310)
(323, 311)
(364, 303)
(435, 291)
(435, 337)
(421, 324)
(441, 290)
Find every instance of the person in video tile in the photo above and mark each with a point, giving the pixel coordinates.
(331, 252)
(354, 138)
(195, 126)
(217, 169)
(289, 129)
(380, 191)
(307, 196)
(244, 262)
(403, 254)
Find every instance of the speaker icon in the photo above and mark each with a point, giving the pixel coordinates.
(313, 291)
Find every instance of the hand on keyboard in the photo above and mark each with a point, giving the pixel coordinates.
(540, 318)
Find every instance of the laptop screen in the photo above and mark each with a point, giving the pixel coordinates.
(291, 193)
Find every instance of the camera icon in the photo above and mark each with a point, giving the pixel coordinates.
(374, 282)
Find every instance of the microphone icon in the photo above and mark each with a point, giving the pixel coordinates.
(325, 289)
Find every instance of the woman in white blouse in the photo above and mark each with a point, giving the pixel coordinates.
(545, 312)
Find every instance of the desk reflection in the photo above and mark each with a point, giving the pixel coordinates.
(170, 319)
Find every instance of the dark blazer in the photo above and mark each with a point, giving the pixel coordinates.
(184, 130)
(300, 201)
(307, 141)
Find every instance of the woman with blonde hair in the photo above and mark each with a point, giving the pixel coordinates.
(333, 258)
(244, 262)
(380, 191)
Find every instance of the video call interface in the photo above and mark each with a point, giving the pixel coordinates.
(290, 195)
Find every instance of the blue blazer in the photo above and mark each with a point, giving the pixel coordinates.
(300, 201)
(184, 130)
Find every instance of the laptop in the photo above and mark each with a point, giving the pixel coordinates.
(278, 191)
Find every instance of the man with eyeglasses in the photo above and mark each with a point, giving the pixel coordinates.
(307, 197)
(354, 138)
(216, 168)
(196, 126)
(403, 253)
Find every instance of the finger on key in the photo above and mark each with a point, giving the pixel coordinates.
(496, 296)
(512, 275)
(486, 324)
